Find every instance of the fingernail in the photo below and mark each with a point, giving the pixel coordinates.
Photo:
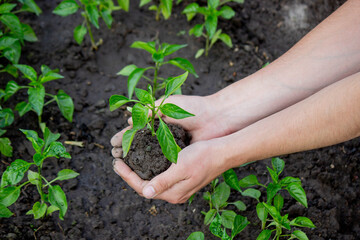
(149, 192)
(114, 162)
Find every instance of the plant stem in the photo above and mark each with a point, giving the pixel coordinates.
(207, 46)
(50, 101)
(93, 44)
(155, 79)
(157, 17)
(39, 186)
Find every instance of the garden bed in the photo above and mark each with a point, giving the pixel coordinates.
(101, 204)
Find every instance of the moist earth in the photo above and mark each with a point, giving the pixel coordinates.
(145, 156)
(101, 205)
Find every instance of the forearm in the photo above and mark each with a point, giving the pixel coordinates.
(327, 54)
(328, 117)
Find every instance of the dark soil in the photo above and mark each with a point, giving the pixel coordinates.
(101, 204)
(145, 156)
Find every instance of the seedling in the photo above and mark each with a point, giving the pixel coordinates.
(274, 202)
(14, 33)
(164, 7)
(49, 193)
(92, 10)
(146, 98)
(37, 95)
(211, 14)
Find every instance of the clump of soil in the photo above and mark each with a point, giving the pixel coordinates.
(145, 156)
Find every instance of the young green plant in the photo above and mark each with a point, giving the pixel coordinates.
(164, 7)
(37, 95)
(146, 109)
(13, 33)
(211, 14)
(52, 197)
(92, 10)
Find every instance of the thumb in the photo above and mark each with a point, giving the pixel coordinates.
(161, 183)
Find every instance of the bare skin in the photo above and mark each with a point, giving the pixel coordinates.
(306, 99)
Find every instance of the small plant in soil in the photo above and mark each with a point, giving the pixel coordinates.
(13, 33)
(219, 219)
(52, 197)
(92, 10)
(164, 7)
(37, 95)
(146, 109)
(211, 14)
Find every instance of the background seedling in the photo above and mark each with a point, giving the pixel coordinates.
(145, 109)
(54, 196)
(211, 14)
(92, 10)
(164, 7)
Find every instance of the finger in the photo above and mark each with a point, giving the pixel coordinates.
(117, 138)
(116, 152)
(162, 182)
(129, 176)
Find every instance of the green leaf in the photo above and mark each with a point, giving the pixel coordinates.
(13, 52)
(239, 205)
(51, 209)
(57, 198)
(144, 96)
(38, 158)
(196, 236)
(143, 45)
(220, 195)
(22, 108)
(211, 25)
(238, 1)
(36, 98)
(190, 8)
(231, 179)
(79, 34)
(5, 212)
(226, 39)
(183, 64)
(28, 71)
(33, 177)
(65, 104)
(48, 74)
(167, 142)
(126, 71)
(213, 3)
(133, 80)
(50, 137)
(199, 53)
(264, 235)
(11, 70)
(127, 140)
(66, 7)
(240, 223)
(117, 101)
(272, 211)
(170, 49)
(298, 193)
(302, 222)
(6, 117)
(9, 195)
(5, 147)
(173, 111)
(144, 2)
(278, 202)
(287, 180)
(226, 12)
(31, 6)
(271, 191)
(66, 174)
(299, 235)
(11, 88)
(261, 212)
(39, 210)
(6, 42)
(166, 8)
(13, 23)
(32, 136)
(158, 57)
(253, 193)
(248, 181)
(278, 165)
(227, 218)
(29, 34)
(197, 30)
(210, 215)
(273, 174)
(175, 83)
(14, 173)
(124, 4)
(6, 7)
(140, 116)
(215, 227)
(106, 16)
(93, 14)
(57, 149)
